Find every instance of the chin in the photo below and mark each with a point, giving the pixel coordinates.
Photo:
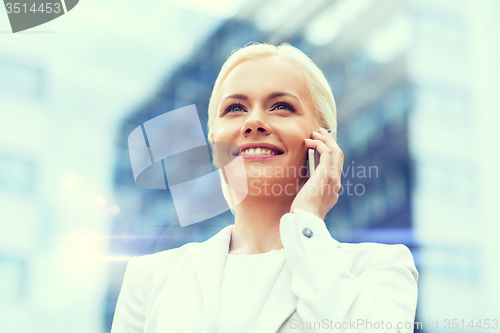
(274, 187)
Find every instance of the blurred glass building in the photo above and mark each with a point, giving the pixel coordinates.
(416, 84)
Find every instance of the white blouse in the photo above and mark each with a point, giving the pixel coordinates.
(247, 281)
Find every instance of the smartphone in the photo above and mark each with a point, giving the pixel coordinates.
(312, 161)
(313, 158)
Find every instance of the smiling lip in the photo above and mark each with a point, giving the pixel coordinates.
(258, 157)
(260, 145)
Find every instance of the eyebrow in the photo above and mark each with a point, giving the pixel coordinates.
(270, 96)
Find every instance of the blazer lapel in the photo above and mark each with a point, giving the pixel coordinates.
(209, 259)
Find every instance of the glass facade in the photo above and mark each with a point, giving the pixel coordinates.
(416, 85)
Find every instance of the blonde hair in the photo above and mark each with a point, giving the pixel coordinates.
(319, 90)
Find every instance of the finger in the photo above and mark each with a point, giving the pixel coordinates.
(335, 160)
(326, 155)
(331, 143)
(331, 167)
(324, 136)
(328, 133)
(328, 137)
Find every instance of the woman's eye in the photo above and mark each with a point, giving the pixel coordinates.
(234, 108)
(283, 106)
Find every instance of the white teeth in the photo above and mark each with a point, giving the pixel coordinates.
(259, 151)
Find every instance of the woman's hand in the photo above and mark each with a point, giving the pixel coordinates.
(320, 192)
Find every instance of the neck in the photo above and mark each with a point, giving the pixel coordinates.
(257, 222)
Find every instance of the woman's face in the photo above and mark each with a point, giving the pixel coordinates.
(264, 102)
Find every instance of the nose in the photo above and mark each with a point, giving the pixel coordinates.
(255, 123)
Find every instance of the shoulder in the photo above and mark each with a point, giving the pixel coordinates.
(159, 266)
(371, 255)
(153, 269)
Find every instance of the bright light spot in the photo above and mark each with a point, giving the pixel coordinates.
(115, 210)
(100, 201)
(390, 40)
(81, 249)
(71, 182)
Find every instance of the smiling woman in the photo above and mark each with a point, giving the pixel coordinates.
(265, 103)
(277, 269)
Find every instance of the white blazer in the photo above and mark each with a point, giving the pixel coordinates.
(336, 287)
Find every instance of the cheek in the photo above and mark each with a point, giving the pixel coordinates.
(300, 135)
(299, 149)
(225, 130)
(218, 132)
